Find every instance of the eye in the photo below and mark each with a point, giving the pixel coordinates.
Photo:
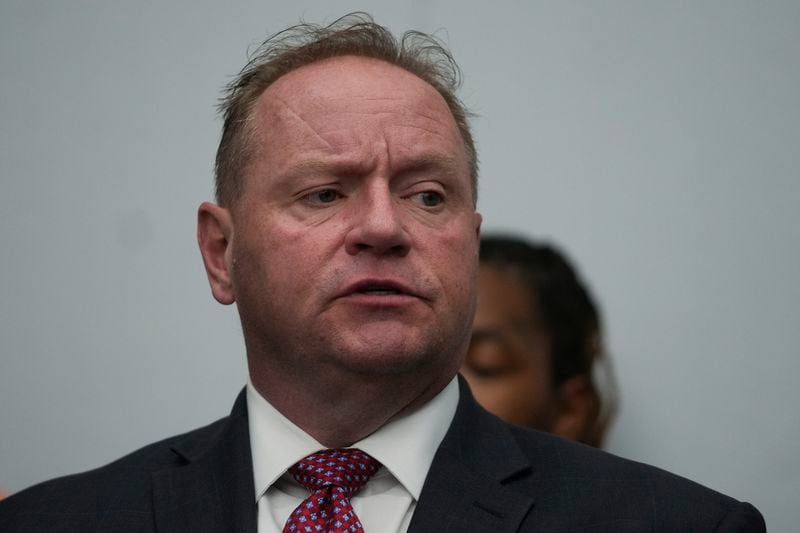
(488, 371)
(492, 367)
(323, 196)
(430, 198)
(490, 357)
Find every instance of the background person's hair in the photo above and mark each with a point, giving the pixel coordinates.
(354, 34)
(568, 313)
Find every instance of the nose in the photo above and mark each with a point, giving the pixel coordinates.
(377, 227)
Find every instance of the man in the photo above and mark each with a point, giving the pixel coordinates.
(346, 234)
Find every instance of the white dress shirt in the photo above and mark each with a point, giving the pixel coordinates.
(404, 446)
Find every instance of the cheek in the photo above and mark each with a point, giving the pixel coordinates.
(455, 256)
(287, 249)
(262, 264)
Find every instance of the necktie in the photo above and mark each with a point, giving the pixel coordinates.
(332, 476)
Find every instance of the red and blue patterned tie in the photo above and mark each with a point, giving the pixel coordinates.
(332, 476)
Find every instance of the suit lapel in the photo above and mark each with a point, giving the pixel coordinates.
(213, 491)
(465, 488)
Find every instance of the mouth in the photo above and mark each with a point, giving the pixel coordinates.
(379, 288)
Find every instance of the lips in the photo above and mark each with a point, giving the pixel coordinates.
(379, 287)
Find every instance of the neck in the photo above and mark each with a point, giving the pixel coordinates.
(359, 406)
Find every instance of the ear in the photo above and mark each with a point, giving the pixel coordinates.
(577, 406)
(214, 235)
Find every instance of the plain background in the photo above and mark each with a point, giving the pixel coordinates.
(657, 142)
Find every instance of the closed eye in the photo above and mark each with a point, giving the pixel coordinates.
(490, 371)
(490, 355)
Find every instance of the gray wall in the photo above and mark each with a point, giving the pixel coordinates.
(658, 142)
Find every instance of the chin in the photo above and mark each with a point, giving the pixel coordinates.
(386, 356)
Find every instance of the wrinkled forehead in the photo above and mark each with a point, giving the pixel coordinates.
(348, 103)
(371, 82)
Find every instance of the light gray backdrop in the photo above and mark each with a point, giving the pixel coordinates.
(656, 141)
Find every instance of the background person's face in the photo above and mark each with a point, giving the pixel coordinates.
(355, 241)
(508, 365)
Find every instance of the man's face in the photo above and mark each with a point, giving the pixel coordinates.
(354, 243)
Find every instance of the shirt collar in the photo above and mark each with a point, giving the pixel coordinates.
(405, 446)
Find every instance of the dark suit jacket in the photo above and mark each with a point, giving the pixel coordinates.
(487, 476)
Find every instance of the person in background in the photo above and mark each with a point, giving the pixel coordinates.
(536, 358)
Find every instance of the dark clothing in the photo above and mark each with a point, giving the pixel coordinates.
(487, 476)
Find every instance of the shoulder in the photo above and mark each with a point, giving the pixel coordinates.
(573, 487)
(116, 496)
(595, 483)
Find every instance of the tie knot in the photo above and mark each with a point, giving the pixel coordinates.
(348, 468)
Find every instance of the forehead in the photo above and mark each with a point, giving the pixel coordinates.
(371, 81)
(503, 297)
(346, 102)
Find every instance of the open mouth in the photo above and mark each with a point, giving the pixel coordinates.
(378, 290)
(378, 287)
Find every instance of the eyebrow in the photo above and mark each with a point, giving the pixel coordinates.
(431, 160)
(488, 335)
(419, 163)
(310, 165)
